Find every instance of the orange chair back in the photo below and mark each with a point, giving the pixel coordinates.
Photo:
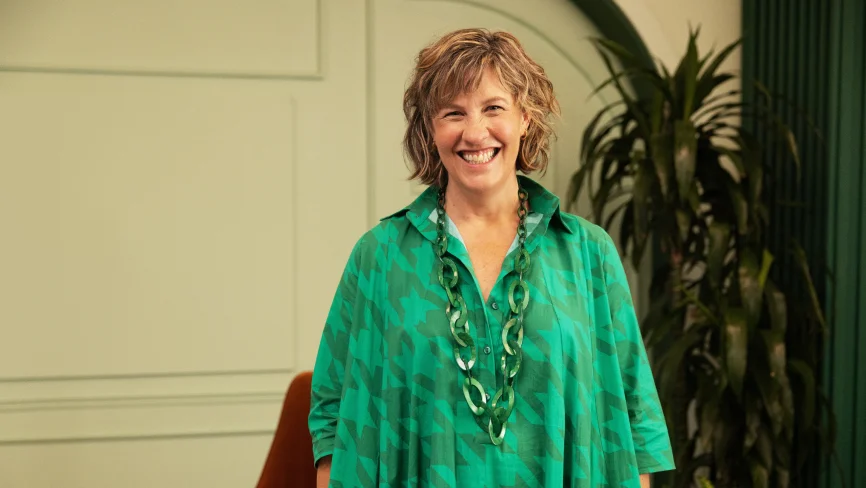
(290, 460)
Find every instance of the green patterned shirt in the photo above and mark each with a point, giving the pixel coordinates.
(387, 398)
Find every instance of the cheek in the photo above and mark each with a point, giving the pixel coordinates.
(508, 131)
(444, 139)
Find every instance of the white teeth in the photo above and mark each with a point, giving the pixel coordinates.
(478, 157)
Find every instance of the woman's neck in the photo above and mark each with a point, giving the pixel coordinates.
(493, 207)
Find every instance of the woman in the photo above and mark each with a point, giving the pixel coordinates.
(481, 336)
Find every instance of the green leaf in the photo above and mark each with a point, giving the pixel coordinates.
(736, 348)
(720, 236)
(735, 157)
(589, 133)
(658, 112)
(708, 103)
(660, 329)
(754, 413)
(642, 204)
(705, 86)
(632, 104)
(775, 342)
(708, 315)
(768, 386)
(802, 262)
(608, 222)
(807, 378)
(723, 54)
(600, 199)
(685, 151)
(626, 56)
(576, 186)
(750, 289)
(661, 149)
(684, 220)
(766, 264)
(764, 448)
(626, 228)
(777, 307)
(687, 73)
(741, 206)
(671, 360)
(792, 147)
(780, 399)
(708, 397)
(708, 80)
(760, 475)
(783, 477)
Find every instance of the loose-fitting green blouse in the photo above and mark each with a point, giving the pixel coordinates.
(387, 398)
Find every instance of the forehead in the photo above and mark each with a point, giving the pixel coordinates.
(473, 85)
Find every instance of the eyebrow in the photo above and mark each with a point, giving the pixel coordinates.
(489, 101)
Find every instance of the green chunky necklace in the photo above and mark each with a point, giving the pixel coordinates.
(497, 410)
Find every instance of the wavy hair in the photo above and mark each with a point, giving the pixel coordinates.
(455, 64)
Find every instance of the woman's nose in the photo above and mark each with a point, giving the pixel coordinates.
(476, 130)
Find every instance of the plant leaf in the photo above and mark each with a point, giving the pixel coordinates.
(687, 74)
(736, 347)
(575, 187)
(589, 133)
(781, 398)
(661, 149)
(760, 475)
(754, 412)
(684, 220)
(768, 386)
(750, 289)
(777, 307)
(706, 86)
(802, 262)
(671, 360)
(626, 228)
(720, 236)
(807, 377)
(632, 104)
(600, 199)
(741, 206)
(641, 204)
(766, 264)
(685, 152)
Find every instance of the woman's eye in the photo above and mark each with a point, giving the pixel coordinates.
(495, 108)
(452, 114)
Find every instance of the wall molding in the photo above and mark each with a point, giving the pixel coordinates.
(48, 410)
(314, 75)
(136, 438)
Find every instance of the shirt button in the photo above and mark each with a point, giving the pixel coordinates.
(486, 349)
(495, 306)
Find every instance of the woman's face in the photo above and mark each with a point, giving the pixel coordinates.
(478, 136)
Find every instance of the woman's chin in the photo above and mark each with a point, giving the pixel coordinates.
(479, 181)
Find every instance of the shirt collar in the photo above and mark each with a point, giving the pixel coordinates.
(540, 201)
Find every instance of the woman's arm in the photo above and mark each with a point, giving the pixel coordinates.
(652, 447)
(644, 481)
(323, 474)
(333, 356)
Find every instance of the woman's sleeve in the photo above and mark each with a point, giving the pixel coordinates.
(648, 428)
(327, 380)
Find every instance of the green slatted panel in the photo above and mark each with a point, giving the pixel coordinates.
(812, 52)
(845, 240)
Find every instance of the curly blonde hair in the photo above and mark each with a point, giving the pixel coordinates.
(455, 64)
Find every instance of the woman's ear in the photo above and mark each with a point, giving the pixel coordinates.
(524, 123)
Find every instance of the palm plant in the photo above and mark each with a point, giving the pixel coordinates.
(672, 169)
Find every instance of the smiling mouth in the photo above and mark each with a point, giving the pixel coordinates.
(479, 157)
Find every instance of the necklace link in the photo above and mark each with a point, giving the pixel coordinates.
(512, 332)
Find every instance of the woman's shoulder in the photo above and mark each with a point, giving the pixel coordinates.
(587, 234)
(373, 240)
